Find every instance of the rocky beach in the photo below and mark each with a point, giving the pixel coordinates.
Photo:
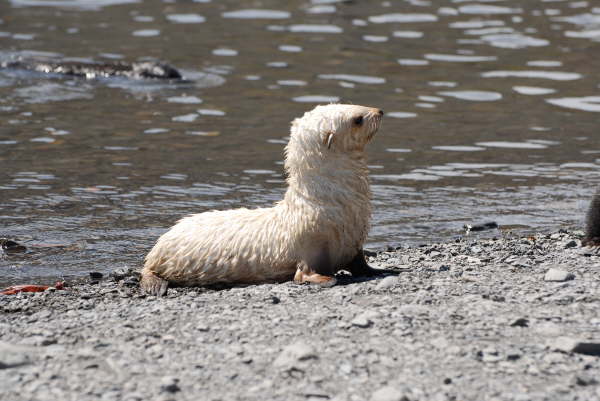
(505, 318)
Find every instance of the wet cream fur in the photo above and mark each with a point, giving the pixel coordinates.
(327, 205)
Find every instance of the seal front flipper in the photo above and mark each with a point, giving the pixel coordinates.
(359, 267)
(151, 284)
(316, 269)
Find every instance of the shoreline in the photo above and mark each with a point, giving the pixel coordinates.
(474, 319)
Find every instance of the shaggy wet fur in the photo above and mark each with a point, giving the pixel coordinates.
(317, 229)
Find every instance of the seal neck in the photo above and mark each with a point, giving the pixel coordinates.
(333, 181)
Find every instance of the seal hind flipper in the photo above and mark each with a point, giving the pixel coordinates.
(359, 267)
(151, 284)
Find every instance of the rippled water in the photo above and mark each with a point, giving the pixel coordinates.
(491, 114)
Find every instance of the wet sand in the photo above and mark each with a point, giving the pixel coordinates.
(508, 318)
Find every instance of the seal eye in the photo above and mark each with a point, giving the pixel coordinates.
(358, 120)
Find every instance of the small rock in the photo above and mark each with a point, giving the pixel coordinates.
(119, 274)
(520, 322)
(294, 353)
(555, 274)
(571, 244)
(12, 355)
(489, 354)
(568, 344)
(389, 393)
(96, 275)
(131, 282)
(274, 300)
(169, 384)
(361, 321)
(585, 379)
(387, 282)
(202, 327)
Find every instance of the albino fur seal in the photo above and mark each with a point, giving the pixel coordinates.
(316, 230)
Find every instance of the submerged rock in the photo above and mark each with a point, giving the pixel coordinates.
(91, 70)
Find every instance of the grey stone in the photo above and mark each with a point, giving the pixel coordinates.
(555, 274)
(12, 355)
(520, 322)
(569, 344)
(362, 321)
(292, 354)
(389, 393)
(170, 384)
(388, 282)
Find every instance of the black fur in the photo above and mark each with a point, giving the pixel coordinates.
(592, 222)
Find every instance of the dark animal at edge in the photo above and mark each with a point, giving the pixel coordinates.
(592, 222)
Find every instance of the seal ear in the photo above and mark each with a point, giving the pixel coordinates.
(328, 140)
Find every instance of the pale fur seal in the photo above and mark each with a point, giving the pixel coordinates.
(317, 229)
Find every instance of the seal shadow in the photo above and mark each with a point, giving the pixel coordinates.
(345, 278)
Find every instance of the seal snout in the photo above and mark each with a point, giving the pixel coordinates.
(375, 112)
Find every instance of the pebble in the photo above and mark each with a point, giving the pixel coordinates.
(555, 274)
(389, 393)
(170, 384)
(12, 355)
(520, 322)
(362, 321)
(299, 351)
(585, 379)
(388, 282)
(569, 344)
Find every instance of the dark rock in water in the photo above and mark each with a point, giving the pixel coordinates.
(490, 225)
(10, 246)
(91, 70)
(592, 222)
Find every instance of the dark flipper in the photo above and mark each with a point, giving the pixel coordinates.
(359, 267)
(151, 284)
(592, 222)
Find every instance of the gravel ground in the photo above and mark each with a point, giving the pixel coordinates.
(476, 319)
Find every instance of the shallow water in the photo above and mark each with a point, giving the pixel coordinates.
(491, 114)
